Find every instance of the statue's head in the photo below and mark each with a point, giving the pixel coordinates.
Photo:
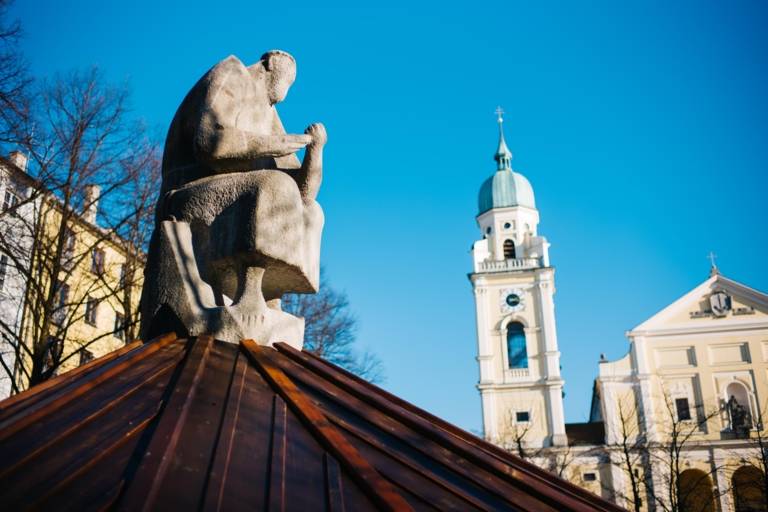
(280, 70)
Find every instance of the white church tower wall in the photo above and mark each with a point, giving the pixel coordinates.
(520, 384)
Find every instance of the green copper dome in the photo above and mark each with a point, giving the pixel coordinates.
(505, 188)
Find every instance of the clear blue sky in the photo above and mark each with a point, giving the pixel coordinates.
(642, 127)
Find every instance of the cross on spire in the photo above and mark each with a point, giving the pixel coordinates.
(500, 114)
(713, 270)
(503, 154)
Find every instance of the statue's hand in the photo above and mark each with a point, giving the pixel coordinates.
(280, 145)
(317, 132)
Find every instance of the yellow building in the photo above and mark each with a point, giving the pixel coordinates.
(71, 272)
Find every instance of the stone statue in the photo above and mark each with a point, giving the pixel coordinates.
(237, 224)
(741, 420)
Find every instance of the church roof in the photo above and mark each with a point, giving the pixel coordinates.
(506, 188)
(199, 424)
(669, 317)
(591, 433)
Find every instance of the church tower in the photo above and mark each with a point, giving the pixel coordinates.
(513, 283)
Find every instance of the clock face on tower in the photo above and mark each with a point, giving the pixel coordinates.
(512, 300)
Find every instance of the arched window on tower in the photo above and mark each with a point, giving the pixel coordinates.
(509, 249)
(517, 353)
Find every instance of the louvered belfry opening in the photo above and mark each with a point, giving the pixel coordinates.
(509, 249)
(199, 424)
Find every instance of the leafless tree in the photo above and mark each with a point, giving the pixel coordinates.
(560, 461)
(629, 452)
(138, 199)
(514, 435)
(14, 82)
(330, 330)
(754, 488)
(678, 433)
(83, 139)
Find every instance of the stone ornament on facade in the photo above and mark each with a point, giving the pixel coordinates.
(237, 224)
(720, 303)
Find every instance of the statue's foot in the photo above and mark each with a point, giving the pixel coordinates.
(265, 327)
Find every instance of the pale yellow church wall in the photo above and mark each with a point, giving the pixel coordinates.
(514, 400)
(706, 363)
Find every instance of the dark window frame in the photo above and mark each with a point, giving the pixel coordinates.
(91, 311)
(683, 409)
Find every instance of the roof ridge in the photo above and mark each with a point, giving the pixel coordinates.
(377, 487)
(490, 457)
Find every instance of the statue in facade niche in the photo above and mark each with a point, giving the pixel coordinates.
(237, 224)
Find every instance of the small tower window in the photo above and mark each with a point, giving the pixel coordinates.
(509, 249)
(488, 230)
(507, 225)
(516, 350)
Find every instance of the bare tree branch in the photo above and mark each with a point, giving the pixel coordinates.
(330, 330)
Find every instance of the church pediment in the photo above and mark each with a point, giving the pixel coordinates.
(715, 302)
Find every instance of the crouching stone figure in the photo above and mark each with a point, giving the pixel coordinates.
(237, 224)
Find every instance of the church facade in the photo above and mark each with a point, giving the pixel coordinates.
(676, 424)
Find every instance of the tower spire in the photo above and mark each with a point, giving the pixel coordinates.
(503, 155)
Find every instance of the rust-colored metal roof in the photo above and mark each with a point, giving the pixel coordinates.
(198, 424)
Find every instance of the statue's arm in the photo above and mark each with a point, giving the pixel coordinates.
(310, 176)
(216, 143)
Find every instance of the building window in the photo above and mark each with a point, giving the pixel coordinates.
(683, 409)
(97, 261)
(516, 349)
(119, 326)
(590, 477)
(9, 200)
(3, 270)
(509, 249)
(69, 240)
(91, 307)
(53, 350)
(86, 356)
(60, 311)
(488, 230)
(522, 417)
(507, 225)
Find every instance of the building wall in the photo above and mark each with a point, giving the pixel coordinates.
(535, 391)
(685, 352)
(82, 339)
(12, 220)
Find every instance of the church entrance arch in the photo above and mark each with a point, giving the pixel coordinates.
(749, 490)
(696, 492)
